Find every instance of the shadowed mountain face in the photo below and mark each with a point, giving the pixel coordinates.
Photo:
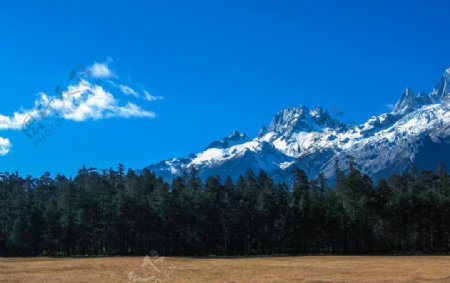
(417, 132)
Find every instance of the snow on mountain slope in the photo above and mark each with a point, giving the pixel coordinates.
(312, 140)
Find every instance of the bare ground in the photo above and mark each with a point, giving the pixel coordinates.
(270, 269)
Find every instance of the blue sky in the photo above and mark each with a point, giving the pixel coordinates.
(219, 66)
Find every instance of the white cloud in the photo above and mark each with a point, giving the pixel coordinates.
(5, 146)
(89, 101)
(100, 70)
(12, 123)
(128, 91)
(131, 110)
(149, 97)
(79, 102)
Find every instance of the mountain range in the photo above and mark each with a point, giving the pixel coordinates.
(416, 132)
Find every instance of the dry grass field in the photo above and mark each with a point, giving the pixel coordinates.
(271, 269)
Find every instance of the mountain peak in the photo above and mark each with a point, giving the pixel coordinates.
(447, 73)
(408, 91)
(440, 93)
(442, 88)
(236, 135)
(233, 139)
(407, 102)
(302, 119)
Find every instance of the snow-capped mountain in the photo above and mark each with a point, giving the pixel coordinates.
(417, 131)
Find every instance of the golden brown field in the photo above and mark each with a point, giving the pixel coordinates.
(271, 269)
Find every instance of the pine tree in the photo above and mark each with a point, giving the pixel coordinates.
(53, 232)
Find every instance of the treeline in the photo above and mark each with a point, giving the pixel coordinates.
(117, 213)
